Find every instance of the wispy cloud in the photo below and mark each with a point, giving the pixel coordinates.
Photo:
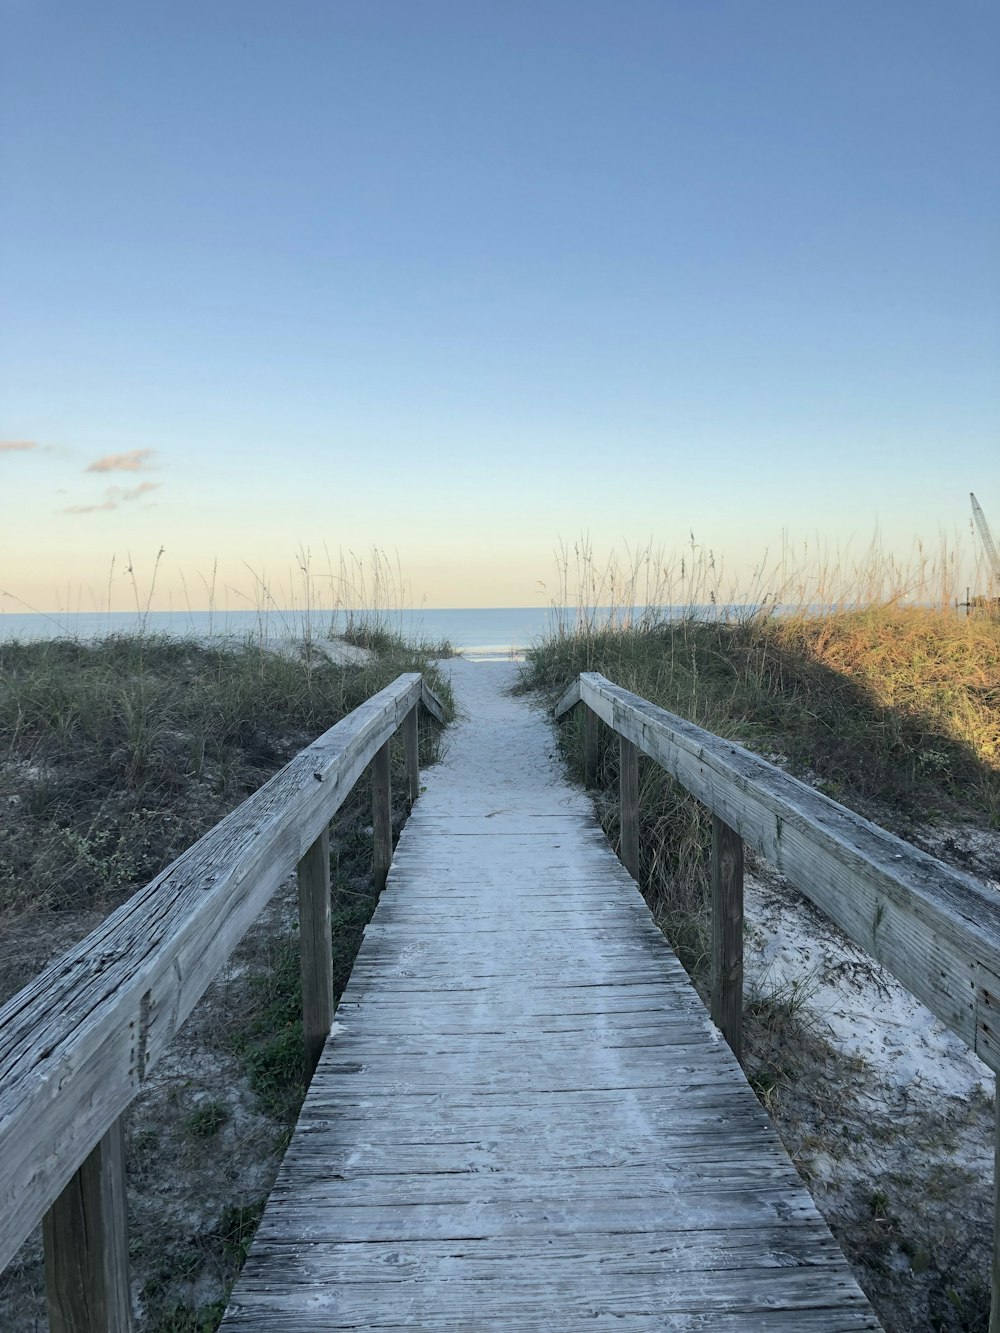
(17, 446)
(114, 497)
(135, 460)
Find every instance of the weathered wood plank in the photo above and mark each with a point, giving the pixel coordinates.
(411, 745)
(476, 1146)
(381, 817)
(703, 1190)
(432, 703)
(727, 934)
(78, 1041)
(628, 791)
(569, 699)
(622, 1293)
(591, 745)
(85, 1235)
(629, 1253)
(315, 948)
(269, 1310)
(933, 927)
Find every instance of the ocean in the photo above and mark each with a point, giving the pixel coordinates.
(478, 632)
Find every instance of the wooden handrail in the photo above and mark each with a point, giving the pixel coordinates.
(934, 928)
(77, 1043)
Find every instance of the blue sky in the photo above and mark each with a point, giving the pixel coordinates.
(462, 279)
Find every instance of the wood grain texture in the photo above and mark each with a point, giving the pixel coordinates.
(85, 1236)
(524, 1119)
(591, 745)
(628, 796)
(381, 817)
(568, 700)
(411, 746)
(315, 948)
(78, 1041)
(432, 703)
(727, 934)
(933, 927)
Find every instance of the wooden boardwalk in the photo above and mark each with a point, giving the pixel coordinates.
(524, 1119)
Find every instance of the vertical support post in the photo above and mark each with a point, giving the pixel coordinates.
(85, 1233)
(381, 816)
(411, 744)
(995, 1285)
(628, 779)
(591, 738)
(727, 934)
(315, 948)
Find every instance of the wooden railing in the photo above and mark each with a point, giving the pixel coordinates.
(77, 1043)
(935, 929)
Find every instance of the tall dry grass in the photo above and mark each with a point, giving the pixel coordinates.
(116, 754)
(860, 676)
(363, 598)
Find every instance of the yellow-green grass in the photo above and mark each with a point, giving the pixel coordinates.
(116, 755)
(892, 710)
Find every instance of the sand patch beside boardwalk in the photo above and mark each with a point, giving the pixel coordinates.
(338, 651)
(887, 1114)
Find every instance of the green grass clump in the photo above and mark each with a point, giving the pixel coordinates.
(116, 755)
(374, 634)
(207, 1120)
(183, 1319)
(269, 1040)
(225, 1247)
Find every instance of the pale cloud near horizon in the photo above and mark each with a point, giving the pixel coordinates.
(134, 460)
(114, 496)
(17, 446)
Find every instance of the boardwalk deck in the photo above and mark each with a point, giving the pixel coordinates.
(525, 1119)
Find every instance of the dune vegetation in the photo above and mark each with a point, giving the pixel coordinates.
(115, 756)
(867, 682)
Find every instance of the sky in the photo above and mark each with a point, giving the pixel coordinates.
(464, 279)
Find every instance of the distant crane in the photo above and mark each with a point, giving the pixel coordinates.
(993, 559)
(987, 536)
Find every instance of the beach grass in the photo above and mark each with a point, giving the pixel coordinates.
(884, 696)
(115, 756)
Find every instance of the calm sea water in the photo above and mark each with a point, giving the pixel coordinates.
(480, 632)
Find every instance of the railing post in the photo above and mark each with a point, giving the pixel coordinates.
(381, 816)
(85, 1233)
(411, 744)
(591, 737)
(315, 948)
(727, 933)
(628, 779)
